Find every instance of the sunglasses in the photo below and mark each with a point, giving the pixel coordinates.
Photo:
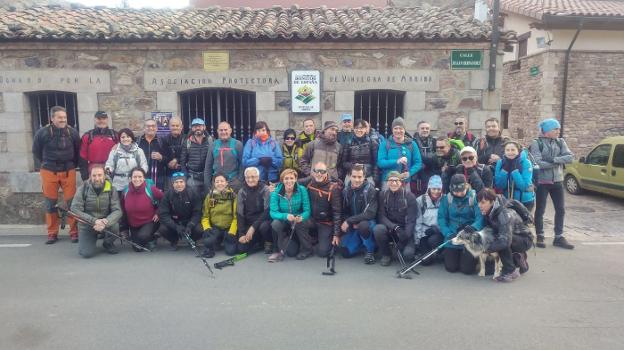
(468, 158)
(459, 123)
(178, 174)
(290, 139)
(440, 147)
(320, 171)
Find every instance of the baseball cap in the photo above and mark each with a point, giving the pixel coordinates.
(198, 121)
(101, 114)
(458, 183)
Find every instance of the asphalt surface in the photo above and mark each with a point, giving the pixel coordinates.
(53, 299)
(50, 298)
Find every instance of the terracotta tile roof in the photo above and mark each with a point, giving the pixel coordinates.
(538, 8)
(219, 24)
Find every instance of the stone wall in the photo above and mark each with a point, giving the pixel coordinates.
(594, 101)
(119, 79)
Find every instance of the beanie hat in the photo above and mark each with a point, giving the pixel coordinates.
(393, 174)
(467, 149)
(549, 124)
(435, 182)
(398, 121)
(458, 183)
(290, 132)
(329, 124)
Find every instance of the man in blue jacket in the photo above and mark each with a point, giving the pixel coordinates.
(399, 153)
(459, 209)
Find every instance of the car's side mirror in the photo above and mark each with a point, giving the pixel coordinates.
(582, 160)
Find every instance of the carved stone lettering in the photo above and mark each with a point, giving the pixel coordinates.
(265, 80)
(63, 80)
(399, 79)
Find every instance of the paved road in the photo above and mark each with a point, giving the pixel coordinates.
(52, 299)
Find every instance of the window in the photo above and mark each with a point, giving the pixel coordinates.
(505, 117)
(237, 107)
(42, 101)
(618, 156)
(379, 108)
(523, 43)
(599, 156)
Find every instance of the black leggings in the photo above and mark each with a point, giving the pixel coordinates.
(459, 260)
(233, 246)
(144, 233)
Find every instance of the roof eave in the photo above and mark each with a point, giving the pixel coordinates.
(589, 22)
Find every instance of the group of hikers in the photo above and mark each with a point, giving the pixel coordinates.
(345, 188)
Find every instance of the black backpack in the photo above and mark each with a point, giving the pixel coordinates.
(521, 210)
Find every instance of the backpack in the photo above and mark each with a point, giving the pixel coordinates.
(111, 133)
(148, 191)
(67, 130)
(521, 210)
(423, 205)
(135, 153)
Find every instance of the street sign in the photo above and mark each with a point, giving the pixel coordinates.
(534, 71)
(466, 59)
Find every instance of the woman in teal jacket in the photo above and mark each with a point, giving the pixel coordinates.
(289, 210)
(513, 175)
(459, 209)
(398, 153)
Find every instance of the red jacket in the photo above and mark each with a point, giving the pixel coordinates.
(138, 206)
(96, 144)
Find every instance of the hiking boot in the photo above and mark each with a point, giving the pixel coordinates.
(369, 258)
(268, 247)
(304, 255)
(51, 240)
(208, 253)
(276, 257)
(540, 242)
(561, 242)
(508, 277)
(110, 247)
(521, 262)
(386, 260)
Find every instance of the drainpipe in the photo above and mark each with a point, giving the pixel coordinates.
(494, 45)
(565, 75)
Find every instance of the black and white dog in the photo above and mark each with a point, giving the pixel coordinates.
(477, 243)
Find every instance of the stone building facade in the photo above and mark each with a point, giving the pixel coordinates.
(534, 72)
(130, 80)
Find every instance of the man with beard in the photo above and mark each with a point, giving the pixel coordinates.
(491, 147)
(359, 210)
(96, 144)
(427, 146)
(173, 142)
(180, 212)
(326, 204)
(97, 203)
(447, 158)
(194, 153)
(155, 152)
(326, 149)
(462, 134)
(225, 156)
(396, 219)
(308, 134)
(252, 214)
(57, 147)
(398, 153)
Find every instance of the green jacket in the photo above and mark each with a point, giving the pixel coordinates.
(291, 158)
(220, 211)
(298, 204)
(91, 206)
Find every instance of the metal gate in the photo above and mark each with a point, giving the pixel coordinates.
(42, 101)
(237, 107)
(379, 108)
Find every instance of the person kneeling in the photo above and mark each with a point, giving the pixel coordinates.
(506, 224)
(459, 209)
(397, 218)
(98, 203)
(427, 234)
(180, 212)
(219, 218)
(289, 209)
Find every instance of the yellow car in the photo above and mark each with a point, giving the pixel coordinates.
(601, 171)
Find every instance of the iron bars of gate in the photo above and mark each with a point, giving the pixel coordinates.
(379, 108)
(42, 101)
(237, 107)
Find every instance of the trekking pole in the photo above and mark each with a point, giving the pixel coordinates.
(403, 272)
(81, 220)
(292, 233)
(230, 262)
(398, 251)
(192, 244)
(331, 263)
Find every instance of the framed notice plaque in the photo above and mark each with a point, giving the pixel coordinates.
(305, 87)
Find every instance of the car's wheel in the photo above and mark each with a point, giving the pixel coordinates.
(572, 185)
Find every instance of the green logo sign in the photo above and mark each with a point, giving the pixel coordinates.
(534, 71)
(466, 59)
